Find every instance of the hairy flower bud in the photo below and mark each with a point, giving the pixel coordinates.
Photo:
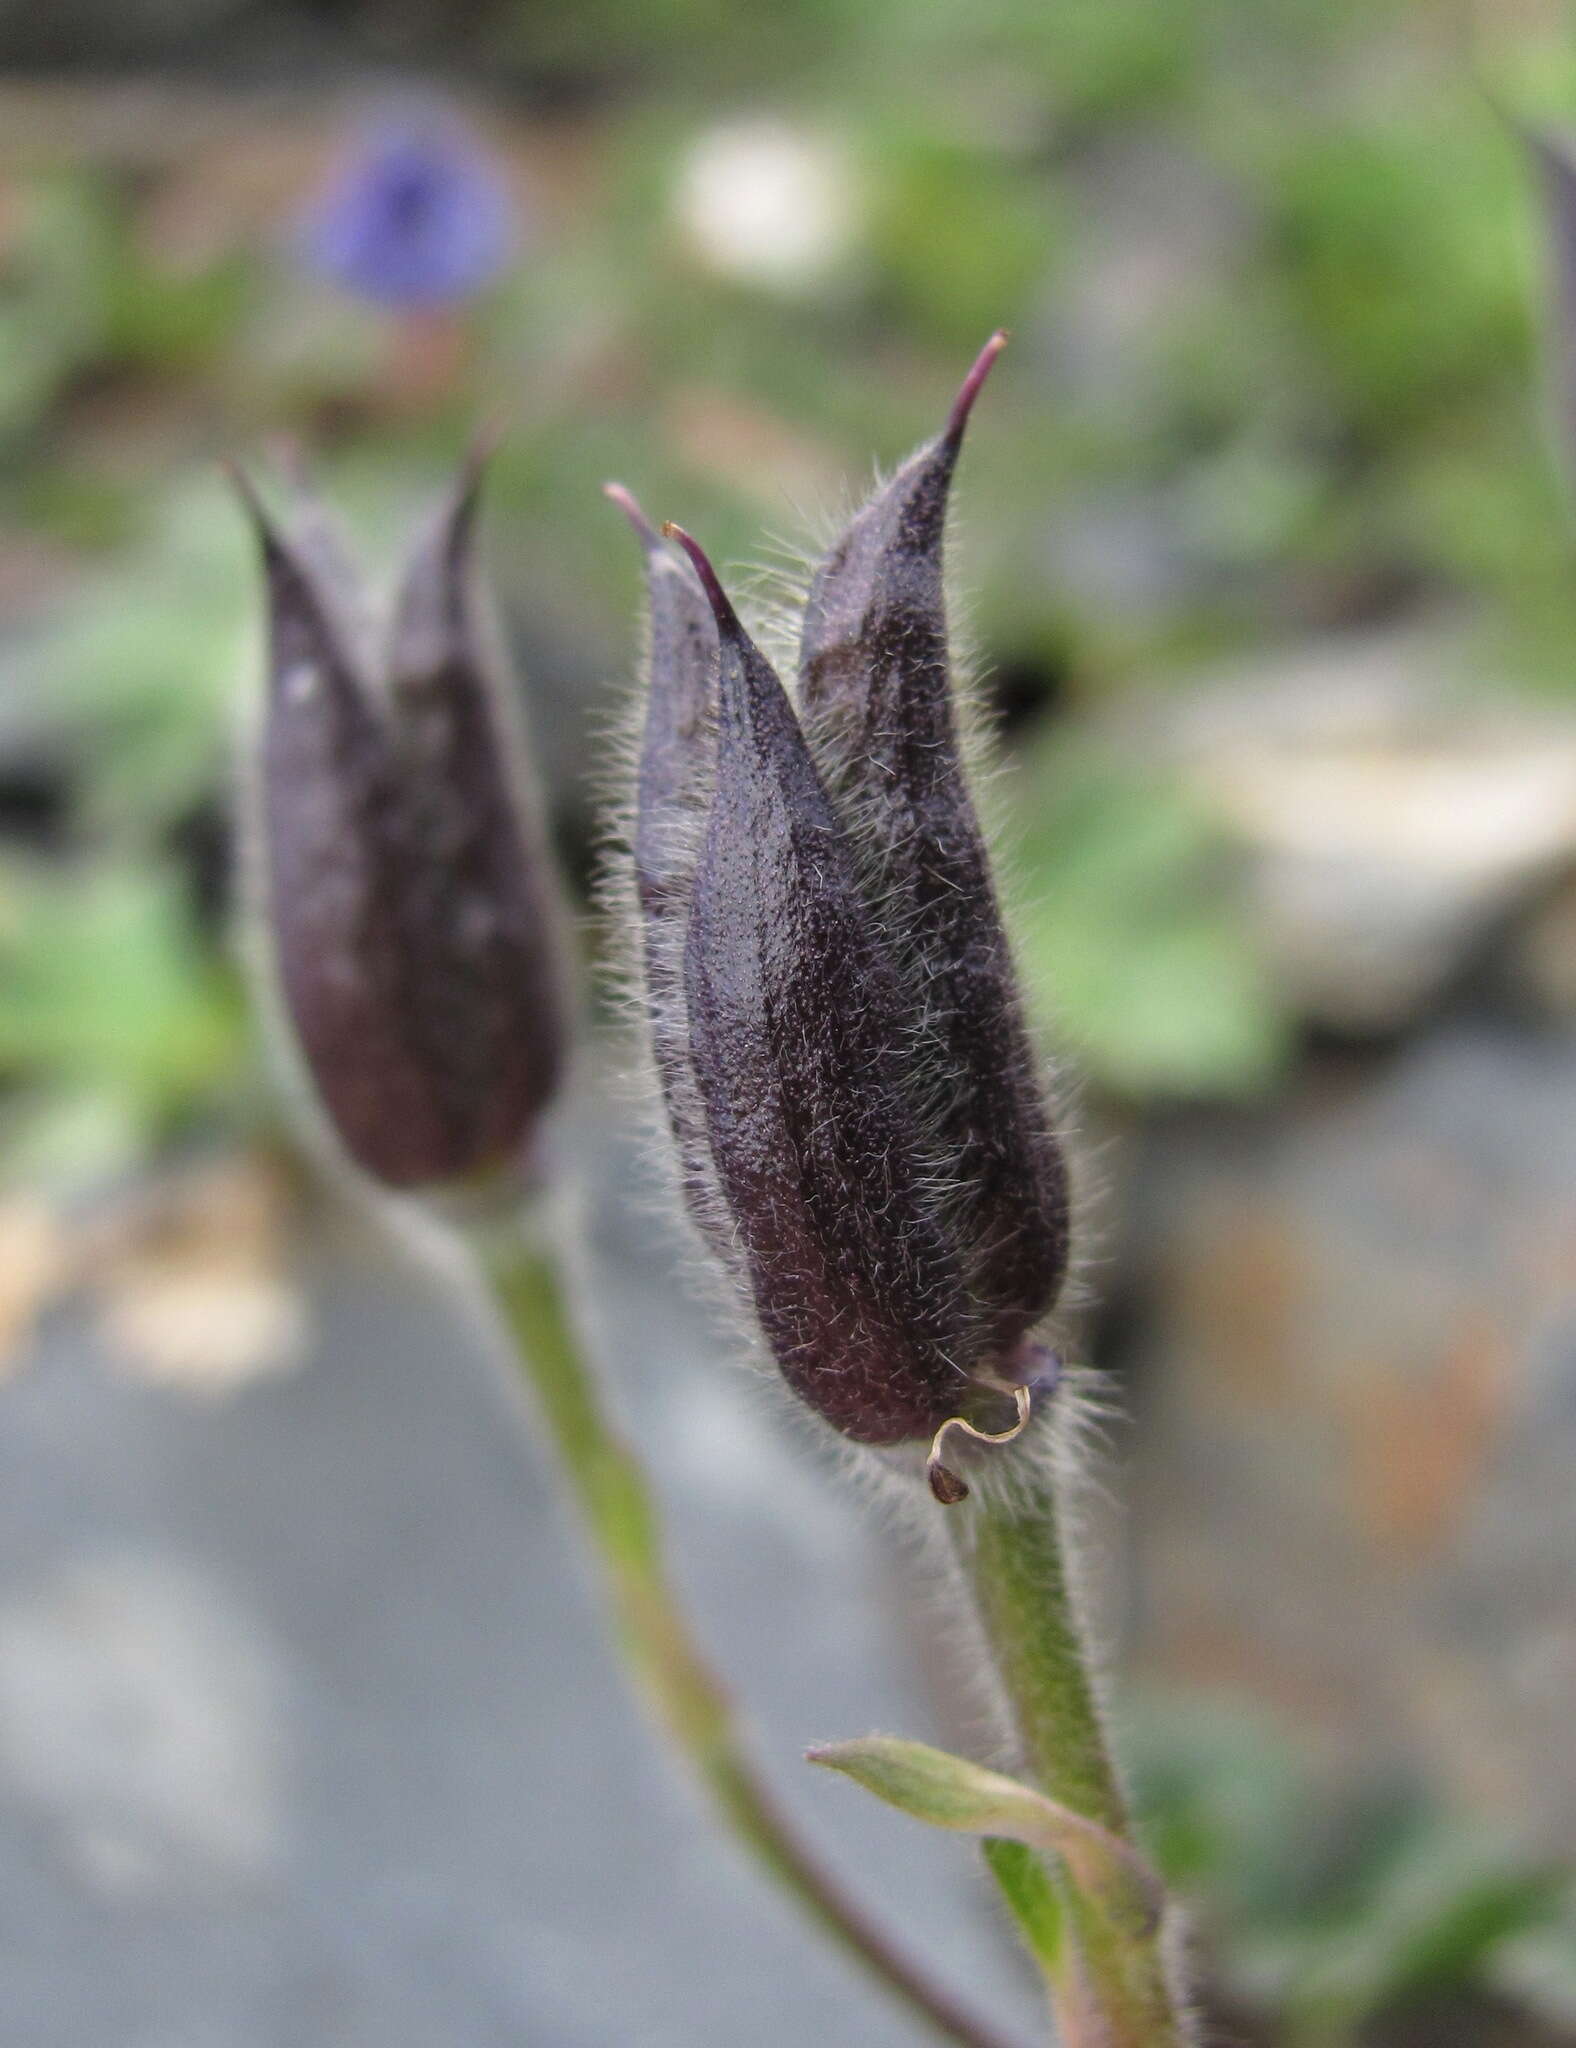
(877, 692)
(865, 1117)
(797, 1022)
(407, 890)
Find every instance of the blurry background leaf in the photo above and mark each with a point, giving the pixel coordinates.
(1332, 1906)
(1131, 935)
(137, 679)
(1428, 1918)
(108, 1002)
(53, 302)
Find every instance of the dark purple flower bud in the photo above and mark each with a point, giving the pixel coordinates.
(879, 704)
(798, 1022)
(673, 786)
(416, 216)
(858, 1112)
(407, 890)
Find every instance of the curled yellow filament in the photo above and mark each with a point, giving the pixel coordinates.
(945, 1484)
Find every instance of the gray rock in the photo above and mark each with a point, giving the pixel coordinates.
(1391, 818)
(309, 1732)
(1353, 1487)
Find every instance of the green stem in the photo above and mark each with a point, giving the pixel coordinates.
(617, 1511)
(1114, 1989)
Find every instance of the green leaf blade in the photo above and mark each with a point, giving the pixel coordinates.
(947, 1791)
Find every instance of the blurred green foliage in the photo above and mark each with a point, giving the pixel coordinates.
(1127, 934)
(138, 682)
(1334, 1910)
(122, 1027)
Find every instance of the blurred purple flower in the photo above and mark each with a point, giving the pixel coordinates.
(416, 215)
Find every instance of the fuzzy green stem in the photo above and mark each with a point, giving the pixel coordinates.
(1115, 1990)
(618, 1514)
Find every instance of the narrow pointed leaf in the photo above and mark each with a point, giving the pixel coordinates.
(948, 1791)
(1025, 1885)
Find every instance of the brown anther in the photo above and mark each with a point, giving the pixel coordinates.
(945, 1484)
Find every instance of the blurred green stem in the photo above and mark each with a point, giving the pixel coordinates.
(1110, 1986)
(528, 1289)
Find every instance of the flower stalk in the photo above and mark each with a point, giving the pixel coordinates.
(1114, 1983)
(526, 1285)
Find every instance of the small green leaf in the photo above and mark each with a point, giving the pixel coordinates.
(1026, 1886)
(950, 1792)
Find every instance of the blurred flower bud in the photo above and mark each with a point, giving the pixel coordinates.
(415, 216)
(407, 889)
(859, 1113)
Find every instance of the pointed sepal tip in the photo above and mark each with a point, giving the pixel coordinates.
(727, 618)
(627, 503)
(972, 386)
